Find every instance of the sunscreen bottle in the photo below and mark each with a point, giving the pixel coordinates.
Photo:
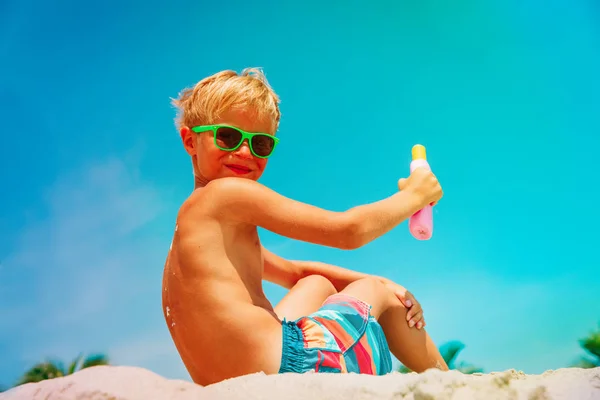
(420, 223)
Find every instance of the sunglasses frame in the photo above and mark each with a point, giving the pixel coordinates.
(245, 136)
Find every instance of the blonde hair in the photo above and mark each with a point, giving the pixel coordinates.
(204, 103)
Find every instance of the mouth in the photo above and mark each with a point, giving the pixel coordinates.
(239, 169)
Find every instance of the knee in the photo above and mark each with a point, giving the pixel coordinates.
(371, 284)
(318, 282)
(378, 289)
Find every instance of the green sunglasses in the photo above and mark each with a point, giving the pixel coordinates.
(230, 138)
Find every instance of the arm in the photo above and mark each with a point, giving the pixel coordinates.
(338, 276)
(280, 271)
(287, 273)
(342, 277)
(246, 201)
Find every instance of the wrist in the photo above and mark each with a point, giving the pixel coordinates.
(413, 200)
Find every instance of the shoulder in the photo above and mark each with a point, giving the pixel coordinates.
(216, 195)
(227, 192)
(229, 186)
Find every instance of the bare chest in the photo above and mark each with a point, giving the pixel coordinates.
(244, 250)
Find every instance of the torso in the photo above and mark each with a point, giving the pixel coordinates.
(213, 301)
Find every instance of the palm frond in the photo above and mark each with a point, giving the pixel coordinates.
(591, 344)
(466, 368)
(585, 362)
(40, 372)
(450, 351)
(404, 370)
(73, 367)
(95, 360)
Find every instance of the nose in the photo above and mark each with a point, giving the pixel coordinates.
(244, 150)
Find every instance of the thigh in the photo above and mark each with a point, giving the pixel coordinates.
(305, 297)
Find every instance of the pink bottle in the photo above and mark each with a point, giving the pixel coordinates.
(421, 223)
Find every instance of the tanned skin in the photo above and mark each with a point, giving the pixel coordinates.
(222, 323)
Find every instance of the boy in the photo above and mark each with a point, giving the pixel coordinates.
(332, 319)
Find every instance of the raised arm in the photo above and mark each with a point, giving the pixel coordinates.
(247, 201)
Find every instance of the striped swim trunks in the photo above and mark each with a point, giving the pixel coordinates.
(340, 337)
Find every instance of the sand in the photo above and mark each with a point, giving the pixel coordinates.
(132, 383)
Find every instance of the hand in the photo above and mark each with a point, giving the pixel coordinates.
(424, 184)
(414, 316)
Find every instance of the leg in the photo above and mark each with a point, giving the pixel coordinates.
(413, 347)
(305, 297)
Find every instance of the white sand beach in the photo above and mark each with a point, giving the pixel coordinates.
(132, 383)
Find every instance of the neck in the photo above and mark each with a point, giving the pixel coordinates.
(199, 181)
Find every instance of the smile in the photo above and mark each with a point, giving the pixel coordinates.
(239, 169)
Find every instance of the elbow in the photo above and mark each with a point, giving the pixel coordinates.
(298, 272)
(352, 234)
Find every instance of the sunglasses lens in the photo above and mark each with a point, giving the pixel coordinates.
(228, 138)
(263, 145)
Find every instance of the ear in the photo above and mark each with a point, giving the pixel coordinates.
(188, 138)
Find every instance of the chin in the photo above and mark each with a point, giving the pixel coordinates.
(231, 174)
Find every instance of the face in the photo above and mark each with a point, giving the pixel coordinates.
(211, 163)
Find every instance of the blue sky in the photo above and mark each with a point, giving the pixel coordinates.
(503, 94)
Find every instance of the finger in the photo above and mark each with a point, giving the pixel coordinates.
(402, 183)
(406, 298)
(420, 324)
(413, 311)
(415, 319)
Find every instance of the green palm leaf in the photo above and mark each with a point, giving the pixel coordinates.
(73, 367)
(585, 362)
(95, 360)
(54, 369)
(404, 370)
(42, 371)
(591, 344)
(449, 352)
(468, 368)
